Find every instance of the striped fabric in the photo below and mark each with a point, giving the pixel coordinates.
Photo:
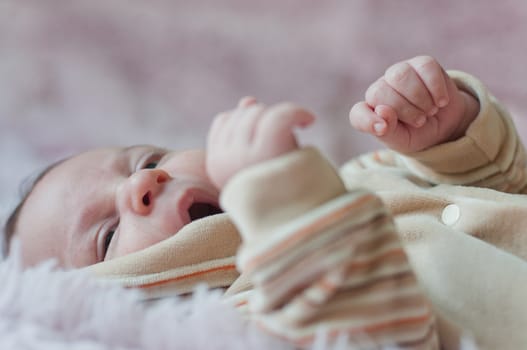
(340, 267)
(324, 259)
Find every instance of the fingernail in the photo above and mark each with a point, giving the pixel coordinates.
(442, 102)
(433, 111)
(380, 128)
(420, 121)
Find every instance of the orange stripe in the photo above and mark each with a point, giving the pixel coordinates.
(429, 336)
(307, 230)
(190, 275)
(365, 264)
(396, 323)
(374, 284)
(241, 303)
(326, 285)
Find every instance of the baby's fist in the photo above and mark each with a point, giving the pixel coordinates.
(413, 106)
(250, 134)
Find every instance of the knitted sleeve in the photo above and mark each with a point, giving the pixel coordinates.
(490, 154)
(324, 259)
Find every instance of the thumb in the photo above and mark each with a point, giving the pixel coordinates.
(396, 134)
(282, 118)
(290, 115)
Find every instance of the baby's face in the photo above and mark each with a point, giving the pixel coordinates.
(111, 202)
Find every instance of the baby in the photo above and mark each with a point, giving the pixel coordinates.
(314, 248)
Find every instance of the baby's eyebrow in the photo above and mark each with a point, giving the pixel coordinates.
(127, 151)
(128, 156)
(122, 157)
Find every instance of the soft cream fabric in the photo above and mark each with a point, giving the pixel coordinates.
(474, 268)
(327, 257)
(202, 252)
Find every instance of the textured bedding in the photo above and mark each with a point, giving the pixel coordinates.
(47, 308)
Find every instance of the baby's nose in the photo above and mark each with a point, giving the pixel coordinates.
(142, 188)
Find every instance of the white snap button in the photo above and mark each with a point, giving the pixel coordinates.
(450, 214)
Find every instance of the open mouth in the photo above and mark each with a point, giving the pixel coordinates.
(199, 210)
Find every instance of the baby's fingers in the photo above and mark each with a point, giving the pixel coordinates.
(404, 79)
(277, 123)
(284, 117)
(364, 119)
(217, 129)
(247, 101)
(381, 93)
(433, 76)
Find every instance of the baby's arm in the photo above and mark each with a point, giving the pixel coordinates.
(470, 141)
(413, 106)
(317, 255)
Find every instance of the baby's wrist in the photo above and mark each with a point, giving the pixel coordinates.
(469, 111)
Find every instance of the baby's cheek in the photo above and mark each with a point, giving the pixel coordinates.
(127, 241)
(144, 233)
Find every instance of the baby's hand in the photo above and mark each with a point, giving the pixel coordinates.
(415, 105)
(249, 134)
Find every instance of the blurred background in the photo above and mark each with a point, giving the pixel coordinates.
(79, 74)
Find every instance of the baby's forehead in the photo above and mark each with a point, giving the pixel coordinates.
(58, 201)
(69, 181)
(84, 168)
(71, 175)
